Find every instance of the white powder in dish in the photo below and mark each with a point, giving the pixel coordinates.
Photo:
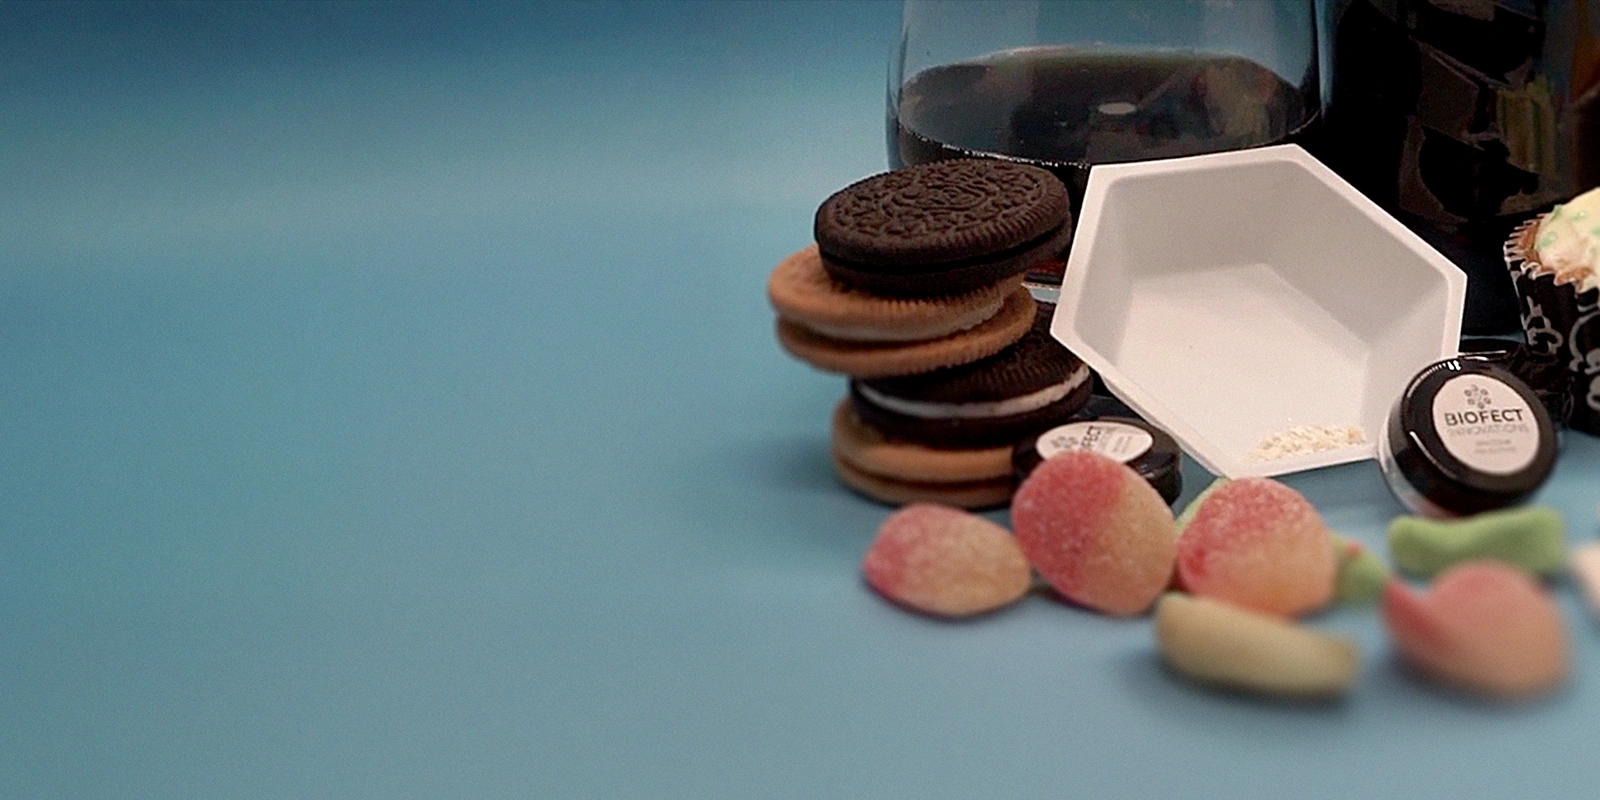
(1306, 439)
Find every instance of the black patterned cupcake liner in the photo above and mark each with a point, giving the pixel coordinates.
(1545, 374)
(1560, 320)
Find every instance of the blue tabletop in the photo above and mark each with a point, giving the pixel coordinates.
(389, 408)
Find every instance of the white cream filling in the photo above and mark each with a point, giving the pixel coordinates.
(945, 326)
(1033, 401)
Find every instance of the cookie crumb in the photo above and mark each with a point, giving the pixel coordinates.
(1301, 440)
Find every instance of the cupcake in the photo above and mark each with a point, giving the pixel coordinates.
(1555, 265)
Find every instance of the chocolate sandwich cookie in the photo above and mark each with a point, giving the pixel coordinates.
(898, 472)
(882, 359)
(1150, 451)
(1104, 404)
(943, 227)
(802, 292)
(1031, 385)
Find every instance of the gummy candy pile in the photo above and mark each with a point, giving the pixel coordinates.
(1231, 578)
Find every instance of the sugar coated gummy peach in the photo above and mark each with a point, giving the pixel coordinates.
(1484, 627)
(945, 561)
(1258, 544)
(1096, 531)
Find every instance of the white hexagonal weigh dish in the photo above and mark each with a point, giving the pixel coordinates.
(1233, 297)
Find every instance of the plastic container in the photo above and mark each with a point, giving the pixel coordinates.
(1466, 436)
(1228, 298)
(1148, 450)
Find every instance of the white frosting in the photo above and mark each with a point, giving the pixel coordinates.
(1569, 237)
(1032, 401)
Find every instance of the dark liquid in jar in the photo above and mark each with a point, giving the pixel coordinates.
(1067, 108)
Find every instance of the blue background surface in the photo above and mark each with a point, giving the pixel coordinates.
(389, 408)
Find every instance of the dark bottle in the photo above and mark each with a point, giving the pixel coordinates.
(1464, 118)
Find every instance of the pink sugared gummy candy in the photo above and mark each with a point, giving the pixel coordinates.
(1483, 626)
(1096, 531)
(1257, 544)
(945, 561)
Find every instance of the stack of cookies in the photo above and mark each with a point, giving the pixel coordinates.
(914, 290)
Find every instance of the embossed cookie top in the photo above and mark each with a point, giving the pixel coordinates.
(940, 212)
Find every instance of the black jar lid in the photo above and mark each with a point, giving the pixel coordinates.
(1469, 436)
(1150, 451)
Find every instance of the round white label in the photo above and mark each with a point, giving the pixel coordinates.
(1485, 424)
(1110, 439)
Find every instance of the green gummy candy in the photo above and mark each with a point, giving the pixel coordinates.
(1530, 538)
(1361, 579)
(1362, 576)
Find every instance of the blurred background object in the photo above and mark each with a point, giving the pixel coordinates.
(1464, 118)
